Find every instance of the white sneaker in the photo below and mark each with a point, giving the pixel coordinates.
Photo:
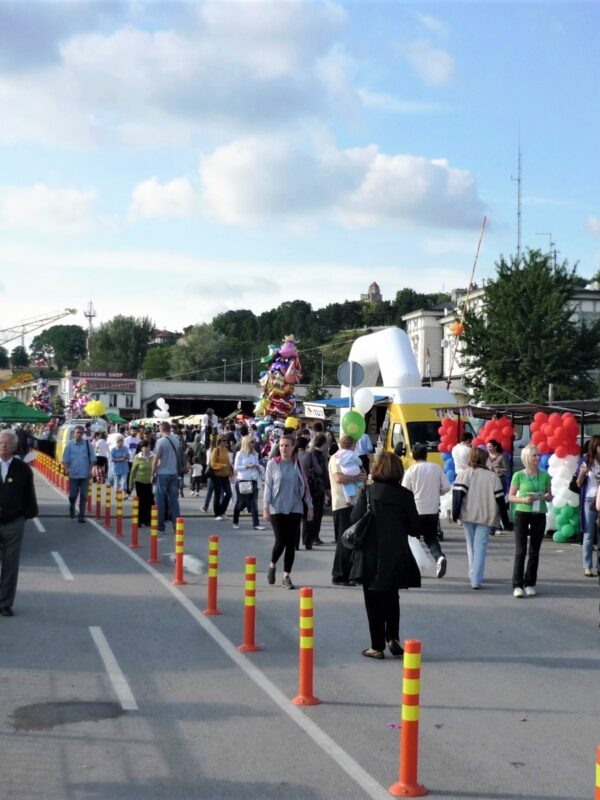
(530, 591)
(219, 519)
(259, 528)
(518, 592)
(237, 527)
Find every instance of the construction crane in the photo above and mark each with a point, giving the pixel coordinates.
(21, 329)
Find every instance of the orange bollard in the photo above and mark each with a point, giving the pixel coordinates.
(598, 773)
(119, 531)
(179, 580)
(89, 496)
(213, 577)
(305, 695)
(249, 645)
(154, 536)
(107, 505)
(408, 786)
(135, 518)
(98, 501)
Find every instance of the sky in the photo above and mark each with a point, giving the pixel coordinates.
(178, 160)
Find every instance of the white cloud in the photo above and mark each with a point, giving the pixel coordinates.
(253, 181)
(433, 24)
(387, 102)
(433, 66)
(237, 65)
(46, 209)
(593, 225)
(173, 199)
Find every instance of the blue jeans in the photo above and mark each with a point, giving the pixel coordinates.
(78, 487)
(249, 501)
(120, 481)
(167, 492)
(476, 536)
(589, 534)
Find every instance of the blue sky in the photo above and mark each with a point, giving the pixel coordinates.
(177, 160)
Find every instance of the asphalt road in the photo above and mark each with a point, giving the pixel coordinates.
(509, 690)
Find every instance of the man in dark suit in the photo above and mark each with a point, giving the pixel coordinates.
(17, 504)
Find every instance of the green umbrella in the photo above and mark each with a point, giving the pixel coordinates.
(112, 417)
(13, 410)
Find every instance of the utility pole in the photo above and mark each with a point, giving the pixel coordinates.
(241, 369)
(552, 251)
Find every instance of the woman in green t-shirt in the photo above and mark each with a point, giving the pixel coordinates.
(529, 489)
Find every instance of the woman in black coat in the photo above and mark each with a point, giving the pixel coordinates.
(386, 561)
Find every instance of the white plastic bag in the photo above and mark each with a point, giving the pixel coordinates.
(424, 561)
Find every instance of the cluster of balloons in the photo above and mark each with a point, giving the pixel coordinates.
(564, 518)
(283, 371)
(353, 421)
(501, 429)
(43, 399)
(95, 408)
(80, 398)
(449, 466)
(162, 412)
(448, 432)
(557, 432)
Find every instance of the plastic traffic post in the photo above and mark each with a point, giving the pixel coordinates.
(213, 577)
(305, 695)
(408, 785)
(153, 536)
(597, 797)
(98, 501)
(179, 580)
(89, 497)
(119, 531)
(135, 519)
(107, 505)
(249, 645)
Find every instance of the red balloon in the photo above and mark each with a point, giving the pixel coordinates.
(543, 447)
(540, 417)
(561, 451)
(538, 438)
(441, 447)
(506, 445)
(535, 426)
(554, 419)
(553, 442)
(508, 430)
(547, 429)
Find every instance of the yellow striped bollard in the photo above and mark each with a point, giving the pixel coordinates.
(119, 531)
(179, 580)
(154, 536)
(213, 577)
(107, 505)
(249, 645)
(135, 520)
(408, 785)
(305, 695)
(597, 773)
(89, 496)
(98, 501)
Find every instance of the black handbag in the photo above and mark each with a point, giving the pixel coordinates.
(354, 536)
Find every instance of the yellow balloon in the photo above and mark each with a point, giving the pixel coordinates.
(95, 408)
(291, 422)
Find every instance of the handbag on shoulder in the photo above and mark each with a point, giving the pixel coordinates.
(354, 536)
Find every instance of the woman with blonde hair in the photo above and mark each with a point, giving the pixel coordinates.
(246, 471)
(530, 490)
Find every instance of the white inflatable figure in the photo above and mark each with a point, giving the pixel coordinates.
(162, 412)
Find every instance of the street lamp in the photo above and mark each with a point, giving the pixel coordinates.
(224, 360)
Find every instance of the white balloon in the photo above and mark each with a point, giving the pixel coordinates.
(363, 400)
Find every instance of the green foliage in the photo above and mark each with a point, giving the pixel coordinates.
(121, 344)
(57, 405)
(19, 357)
(4, 359)
(157, 362)
(64, 346)
(525, 338)
(198, 357)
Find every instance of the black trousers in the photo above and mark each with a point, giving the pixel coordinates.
(146, 497)
(222, 495)
(428, 529)
(11, 536)
(312, 528)
(342, 560)
(383, 613)
(286, 528)
(532, 525)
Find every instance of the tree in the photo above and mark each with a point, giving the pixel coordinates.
(63, 345)
(524, 338)
(19, 357)
(4, 360)
(157, 362)
(121, 344)
(58, 405)
(200, 355)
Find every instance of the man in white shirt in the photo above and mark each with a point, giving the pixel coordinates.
(428, 482)
(461, 452)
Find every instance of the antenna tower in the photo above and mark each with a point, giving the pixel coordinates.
(89, 314)
(518, 182)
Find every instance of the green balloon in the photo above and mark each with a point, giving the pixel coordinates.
(568, 531)
(353, 424)
(559, 537)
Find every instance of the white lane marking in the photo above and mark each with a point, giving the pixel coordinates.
(114, 671)
(64, 570)
(366, 781)
(39, 525)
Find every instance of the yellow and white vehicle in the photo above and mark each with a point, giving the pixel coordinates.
(66, 432)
